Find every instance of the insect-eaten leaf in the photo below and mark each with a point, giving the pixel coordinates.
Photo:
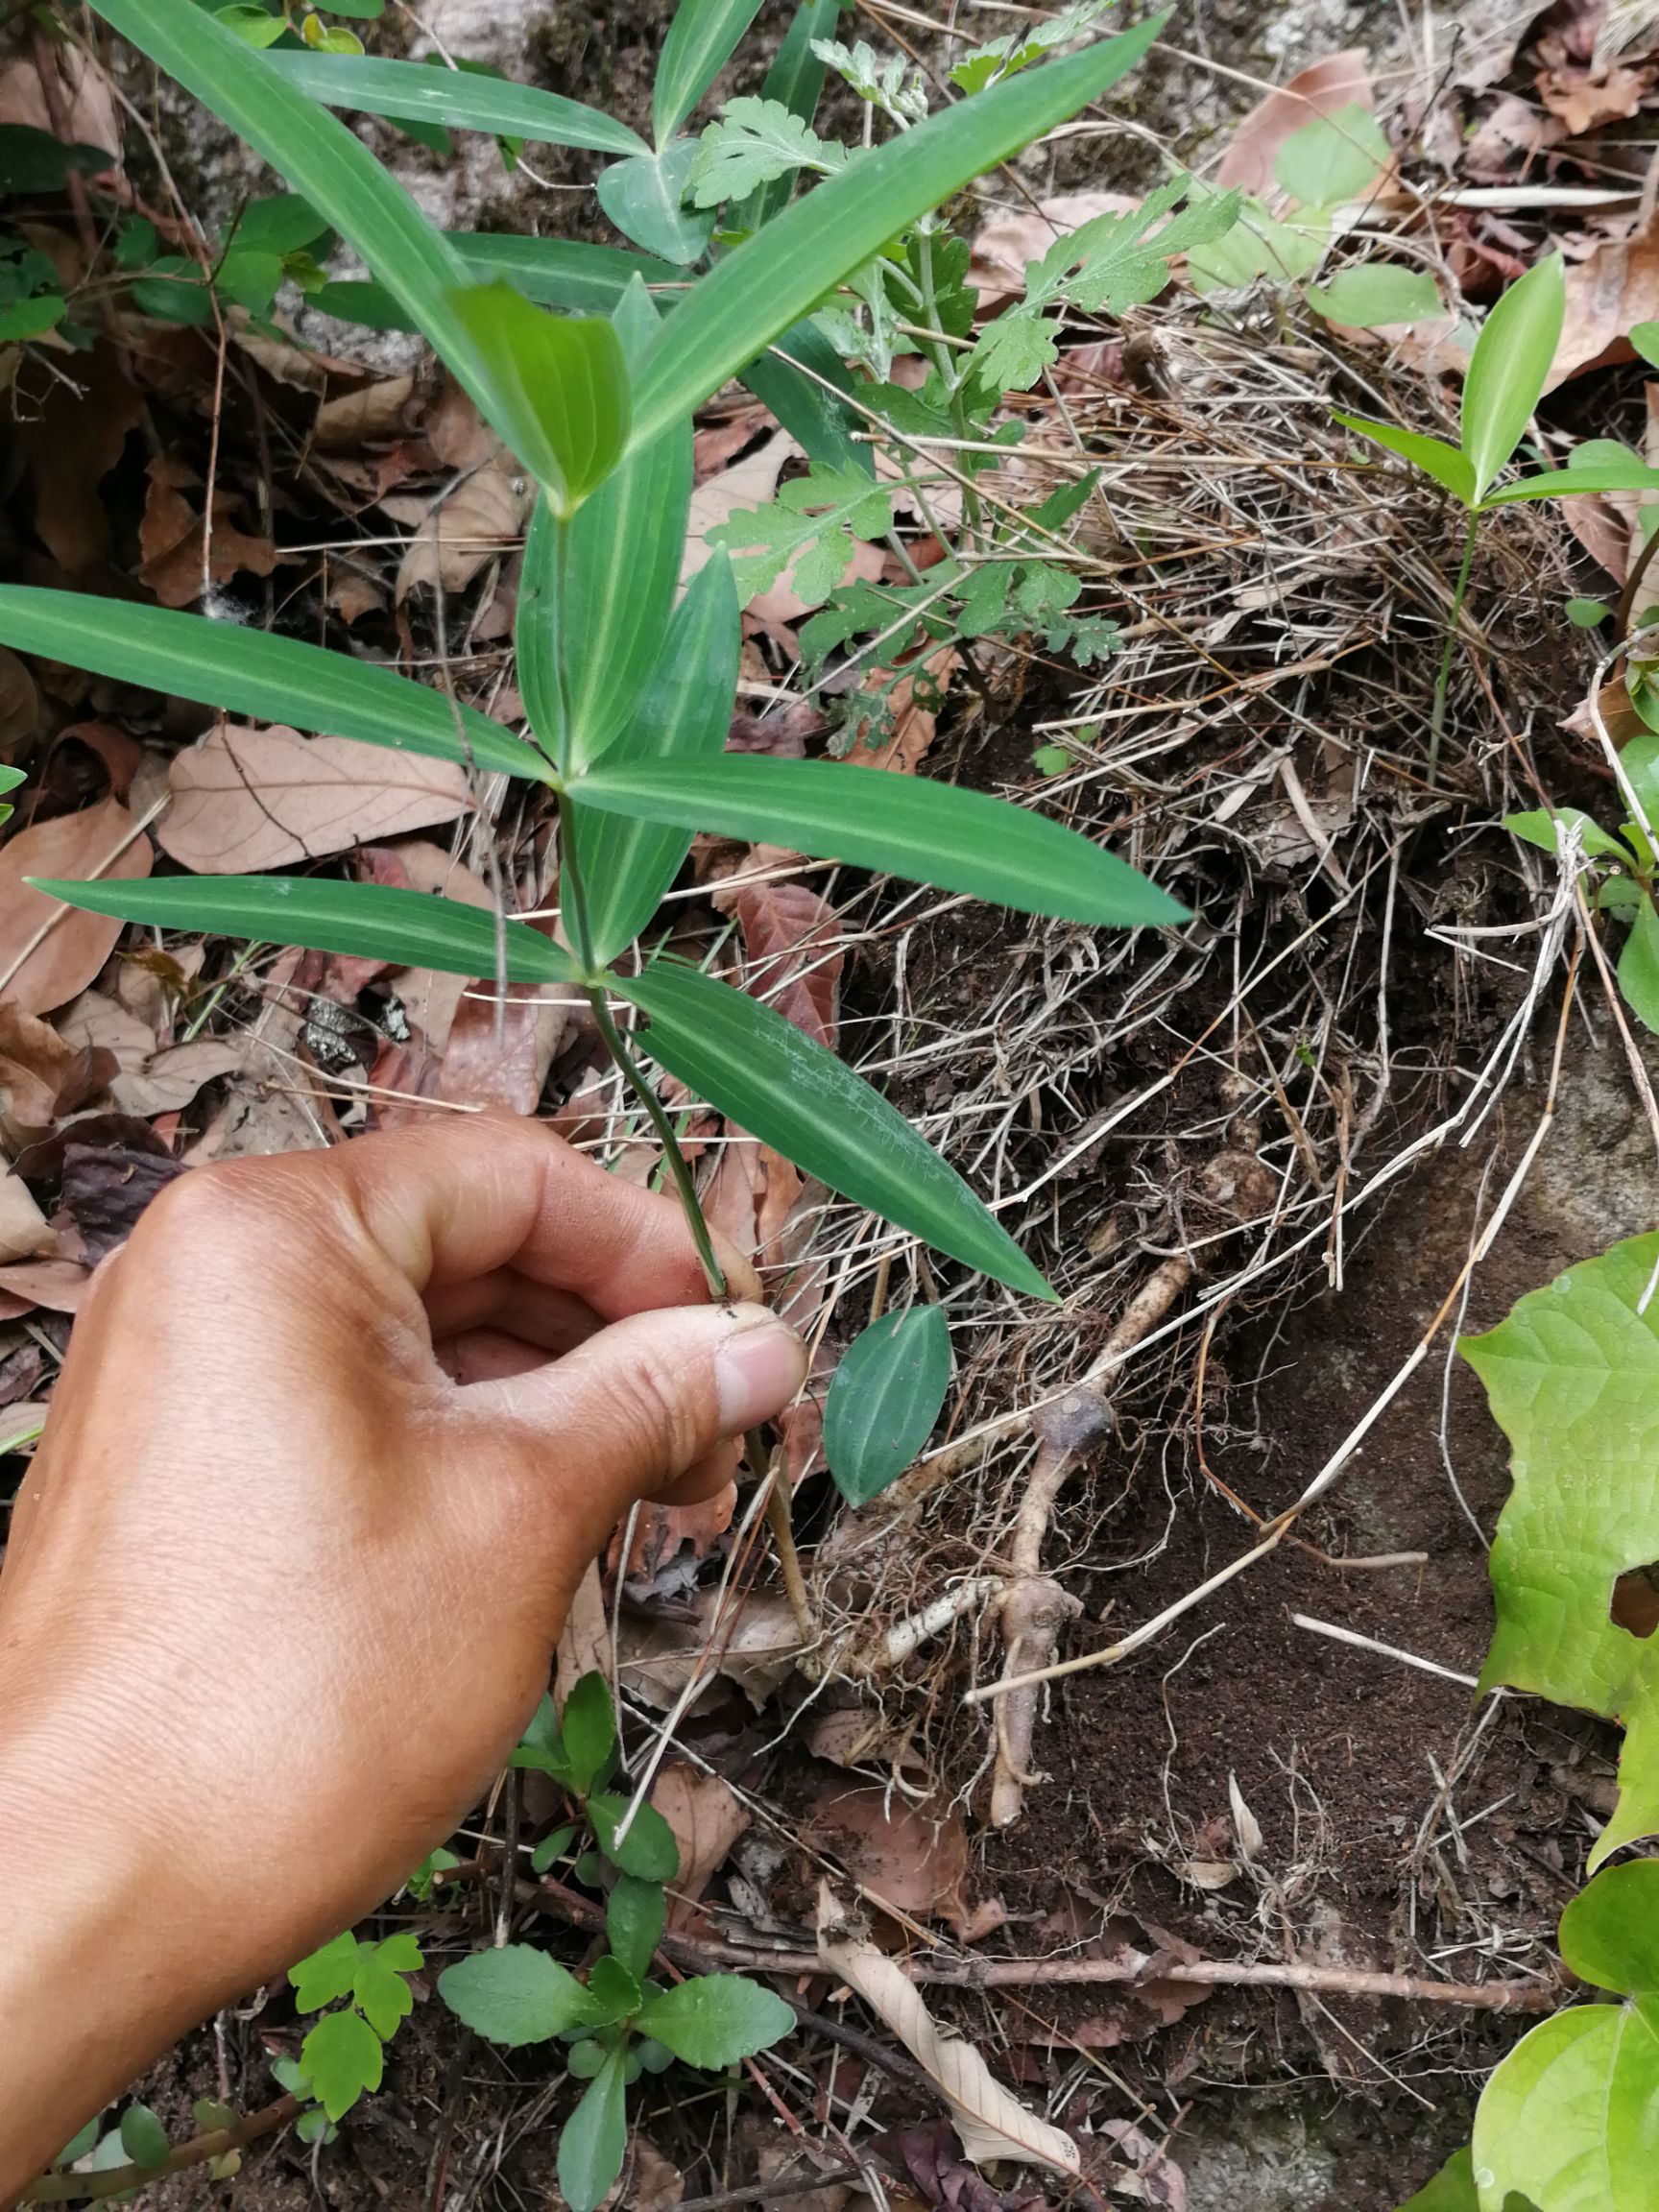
(569, 382)
(884, 1400)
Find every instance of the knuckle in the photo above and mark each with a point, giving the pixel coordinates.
(655, 1422)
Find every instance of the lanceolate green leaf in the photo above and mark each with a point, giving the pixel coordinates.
(627, 864)
(1573, 1378)
(1433, 455)
(756, 293)
(623, 564)
(884, 1400)
(713, 2020)
(1631, 475)
(698, 46)
(790, 378)
(335, 172)
(255, 672)
(417, 92)
(931, 833)
(764, 1074)
(408, 928)
(562, 272)
(568, 384)
(594, 2138)
(1510, 365)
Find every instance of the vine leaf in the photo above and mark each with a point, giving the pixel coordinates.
(1572, 1380)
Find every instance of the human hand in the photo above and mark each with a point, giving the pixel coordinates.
(283, 1584)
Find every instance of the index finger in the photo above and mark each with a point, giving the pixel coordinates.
(458, 1199)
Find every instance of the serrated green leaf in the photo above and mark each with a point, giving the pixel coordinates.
(326, 1975)
(410, 91)
(1433, 455)
(634, 1912)
(406, 927)
(1510, 365)
(613, 1988)
(930, 832)
(648, 1851)
(589, 1730)
(1573, 1378)
(884, 1400)
(594, 2139)
(795, 80)
(809, 527)
(1333, 158)
(771, 281)
(764, 1074)
(699, 44)
(1014, 350)
(622, 566)
(341, 2056)
(1452, 2190)
(755, 142)
(715, 2019)
(644, 198)
(627, 864)
(1375, 293)
(331, 168)
(1110, 263)
(517, 1994)
(378, 1985)
(144, 2139)
(568, 382)
(1570, 2121)
(1543, 829)
(257, 673)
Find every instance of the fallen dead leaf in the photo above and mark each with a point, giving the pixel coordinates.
(357, 417)
(246, 799)
(706, 1816)
(990, 2122)
(757, 1649)
(1584, 99)
(912, 1858)
(83, 96)
(498, 1054)
(484, 514)
(915, 720)
(654, 2185)
(792, 959)
(1323, 88)
(57, 1285)
(72, 946)
(1158, 2179)
(73, 441)
(746, 482)
(927, 2153)
(584, 1645)
(20, 705)
(1131, 2012)
(170, 538)
(670, 1542)
(42, 1074)
(1615, 286)
(106, 1188)
(25, 1232)
(148, 1080)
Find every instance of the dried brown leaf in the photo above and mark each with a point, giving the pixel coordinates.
(357, 417)
(98, 841)
(25, 1232)
(912, 1858)
(706, 1816)
(72, 441)
(1615, 286)
(170, 538)
(247, 799)
(498, 1054)
(20, 705)
(484, 514)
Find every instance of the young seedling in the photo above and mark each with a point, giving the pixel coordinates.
(619, 2022)
(1507, 374)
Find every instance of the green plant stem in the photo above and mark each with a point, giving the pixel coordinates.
(1442, 682)
(971, 513)
(116, 2181)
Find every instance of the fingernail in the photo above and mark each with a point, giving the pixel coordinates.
(756, 1371)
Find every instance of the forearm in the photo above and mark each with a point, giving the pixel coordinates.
(94, 1980)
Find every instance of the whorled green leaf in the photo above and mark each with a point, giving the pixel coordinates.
(408, 928)
(622, 566)
(613, 1988)
(332, 169)
(1510, 365)
(627, 864)
(1573, 1378)
(643, 197)
(517, 1994)
(341, 2057)
(594, 2138)
(781, 274)
(1433, 455)
(257, 673)
(568, 380)
(415, 92)
(715, 2019)
(795, 80)
(1570, 2121)
(1631, 475)
(764, 1074)
(700, 43)
(884, 1400)
(903, 825)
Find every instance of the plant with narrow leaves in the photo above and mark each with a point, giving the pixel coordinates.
(1508, 372)
(628, 694)
(619, 2022)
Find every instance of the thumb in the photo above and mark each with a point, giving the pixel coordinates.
(630, 1410)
